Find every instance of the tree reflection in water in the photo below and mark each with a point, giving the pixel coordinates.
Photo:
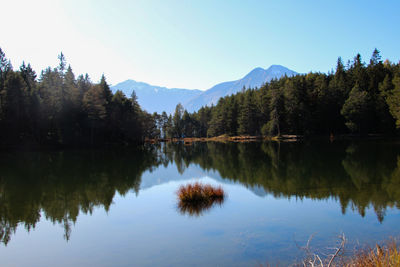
(60, 185)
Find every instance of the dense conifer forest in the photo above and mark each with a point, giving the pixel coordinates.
(356, 98)
(58, 109)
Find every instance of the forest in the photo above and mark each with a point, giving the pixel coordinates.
(355, 99)
(58, 109)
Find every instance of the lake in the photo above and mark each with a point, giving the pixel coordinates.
(119, 207)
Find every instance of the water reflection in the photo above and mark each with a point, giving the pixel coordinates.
(197, 209)
(195, 199)
(358, 175)
(60, 185)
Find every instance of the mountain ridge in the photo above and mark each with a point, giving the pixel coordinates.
(158, 98)
(154, 98)
(255, 78)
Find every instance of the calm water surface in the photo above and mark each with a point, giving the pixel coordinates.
(119, 208)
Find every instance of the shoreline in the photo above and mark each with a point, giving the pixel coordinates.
(282, 138)
(226, 138)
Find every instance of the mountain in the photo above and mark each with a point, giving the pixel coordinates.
(255, 78)
(163, 175)
(156, 98)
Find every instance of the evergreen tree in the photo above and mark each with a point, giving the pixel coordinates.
(14, 99)
(393, 100)
(248, 121)
(188, 124)
(164, 125)
(203, 118)
(94, 104)
(5, 68)
(29, 75)
(63, 63)
(218, 122)
(170, 127)
(83, 84)
(58, 109)
(276, 106)
(355, 110)
(295, 105)
(177, 121)
(376, 57)
(333, 99)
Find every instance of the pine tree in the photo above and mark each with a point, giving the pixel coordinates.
(94, 104)
(203, 118)
(218, 122)
(29, 75)
(177, 121)
(276, 106)
(5, 68)
(13, 104)
(248, 121)
(295, 105)
(188, 124)
(393, 100)
(356, 109)
(63, 63)
(376, 57)
(164, 125)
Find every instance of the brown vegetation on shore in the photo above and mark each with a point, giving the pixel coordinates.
(226, 138)
(386, 255)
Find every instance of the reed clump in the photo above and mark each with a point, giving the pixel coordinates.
(195, 198)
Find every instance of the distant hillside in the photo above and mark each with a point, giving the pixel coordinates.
(155, 98)
(256, 78)
(158, 99)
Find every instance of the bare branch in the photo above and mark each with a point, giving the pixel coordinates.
(309, 240)
(320, 261)
(343, 238)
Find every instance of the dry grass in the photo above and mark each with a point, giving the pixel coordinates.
(387, 255)
(195, 198)
(382, 256)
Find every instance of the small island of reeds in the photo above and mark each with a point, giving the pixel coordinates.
(196, 198)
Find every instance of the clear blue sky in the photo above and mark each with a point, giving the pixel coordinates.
(196, 44)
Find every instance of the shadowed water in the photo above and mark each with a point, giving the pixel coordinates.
(119, 207)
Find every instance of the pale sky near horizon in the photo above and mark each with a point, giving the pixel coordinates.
(195, 44)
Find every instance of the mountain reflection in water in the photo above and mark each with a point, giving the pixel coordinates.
(60, 185)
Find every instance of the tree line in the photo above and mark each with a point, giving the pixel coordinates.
(57, 108)
(358, 98)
